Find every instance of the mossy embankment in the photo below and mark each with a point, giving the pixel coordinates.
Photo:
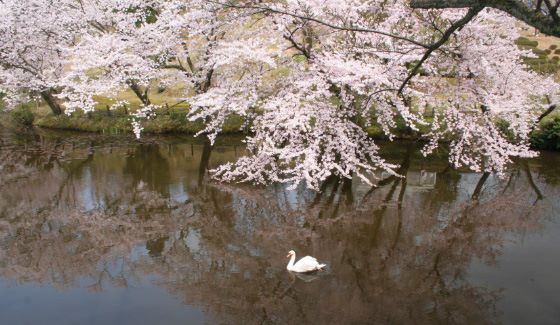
(175, 121)
(168, 121)
(116, 121)
(172, 121)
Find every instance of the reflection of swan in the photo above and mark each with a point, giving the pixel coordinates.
(306, 264)
(305, 277)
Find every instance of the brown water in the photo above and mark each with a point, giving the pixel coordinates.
(98, 230)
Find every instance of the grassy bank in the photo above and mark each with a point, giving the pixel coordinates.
(116, 122)
(546, 50)
(166, 121)
(174, 121)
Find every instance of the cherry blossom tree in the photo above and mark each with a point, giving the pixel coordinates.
(31, 57)
(308, 77)
(367, 60)
(122, 49)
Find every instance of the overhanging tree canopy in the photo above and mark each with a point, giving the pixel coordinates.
(309, 76)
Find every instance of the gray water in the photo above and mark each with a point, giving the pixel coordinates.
(101, 230)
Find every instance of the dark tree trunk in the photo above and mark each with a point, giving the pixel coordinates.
(142, 95)
(477, 191)
(201, 87)
(48, 97)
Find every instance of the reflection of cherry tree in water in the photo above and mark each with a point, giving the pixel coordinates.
(45, 234)
(409, 260)
(21, 156)
(394, 255)
(385, 269)
(147, 167)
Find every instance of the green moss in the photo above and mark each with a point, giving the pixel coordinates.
(83, 122)
(170, 120)
(300, 58)
(375, 131)
(23, 115)
(542, 63)
(504, 127)
(547, 137)
(526, 43)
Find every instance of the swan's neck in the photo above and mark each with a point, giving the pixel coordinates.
(291, 263)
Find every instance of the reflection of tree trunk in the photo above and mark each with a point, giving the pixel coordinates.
(347, 190)
(322, 189)
(379, 213)
(399, 216)
(399, 212)
(435, 270)
(403, 169)
(476, 194)
(204, 159)
(531, 182)
(330, 199)
(509, 182)
(75, 170)
(47, 95)
(334, 190)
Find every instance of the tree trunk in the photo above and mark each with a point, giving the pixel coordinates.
(48, 97)
(142, 95)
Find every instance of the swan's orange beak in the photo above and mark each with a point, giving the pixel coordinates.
(289, 255)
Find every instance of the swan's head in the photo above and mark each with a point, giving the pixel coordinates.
(290, 253)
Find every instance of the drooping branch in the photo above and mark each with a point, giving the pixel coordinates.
(546, 22)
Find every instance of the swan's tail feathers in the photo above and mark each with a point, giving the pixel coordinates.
(321, 266)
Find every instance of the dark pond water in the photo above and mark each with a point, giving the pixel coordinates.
(97, 230)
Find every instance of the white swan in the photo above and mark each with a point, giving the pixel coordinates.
(306, 264)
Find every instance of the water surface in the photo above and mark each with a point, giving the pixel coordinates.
(100, 230)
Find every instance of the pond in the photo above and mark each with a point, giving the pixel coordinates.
(102, 230)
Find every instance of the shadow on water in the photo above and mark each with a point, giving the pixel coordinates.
(102, 213)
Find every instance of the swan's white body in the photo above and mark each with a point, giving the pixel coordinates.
(306, 264)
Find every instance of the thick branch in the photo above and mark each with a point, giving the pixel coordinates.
(455, 26)
(549, 110)
(142, 95)
(546, 24)
(301, 48)
(48, 97)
